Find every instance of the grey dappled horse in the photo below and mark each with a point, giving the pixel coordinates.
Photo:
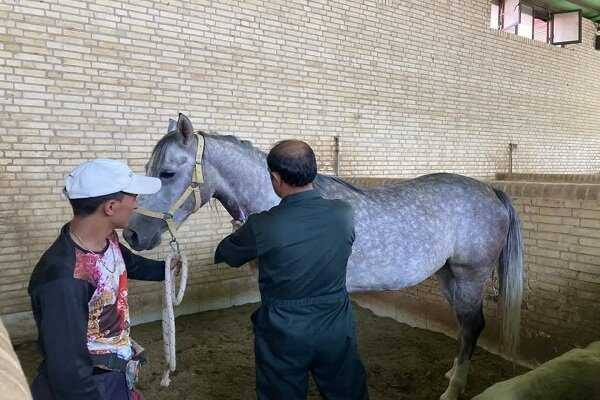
(446, 225)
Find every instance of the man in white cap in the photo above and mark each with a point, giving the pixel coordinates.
(78, 289)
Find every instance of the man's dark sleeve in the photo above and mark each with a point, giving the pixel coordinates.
(349, 220)
(63, 320)
(237, 248)
(142, 268)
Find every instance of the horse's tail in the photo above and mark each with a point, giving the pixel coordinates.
(510, 271)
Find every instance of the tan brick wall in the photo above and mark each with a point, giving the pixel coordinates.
(564, 178)
(409, 87)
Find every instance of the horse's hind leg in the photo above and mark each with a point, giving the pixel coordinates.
(447, 284)
(464, 292)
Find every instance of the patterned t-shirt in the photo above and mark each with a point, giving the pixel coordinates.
(71, 291)
(108, 323)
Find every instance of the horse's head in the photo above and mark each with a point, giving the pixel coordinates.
(193, 168)
(178, 162)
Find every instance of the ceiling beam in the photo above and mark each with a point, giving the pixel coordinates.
(589, 8)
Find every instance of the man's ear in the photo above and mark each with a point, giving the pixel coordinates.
(109, 207)
(275, 178)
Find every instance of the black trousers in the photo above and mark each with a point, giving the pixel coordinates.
(316, 335)
(111, 385)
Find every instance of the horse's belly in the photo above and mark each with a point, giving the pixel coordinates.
(379, 271)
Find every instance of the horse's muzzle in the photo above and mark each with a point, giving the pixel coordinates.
(137, 243)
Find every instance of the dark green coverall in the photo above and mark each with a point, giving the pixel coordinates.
(305, 322)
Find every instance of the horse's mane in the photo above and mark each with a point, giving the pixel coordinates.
(326, 181)
(321, 181)
(159, 151)
(235, 140)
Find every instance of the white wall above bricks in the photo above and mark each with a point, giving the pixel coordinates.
(410, 87)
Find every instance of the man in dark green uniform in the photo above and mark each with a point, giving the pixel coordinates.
(305, 322)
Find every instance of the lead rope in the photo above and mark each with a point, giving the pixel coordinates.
(170, 300)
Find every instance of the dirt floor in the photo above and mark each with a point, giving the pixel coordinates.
(216, 359)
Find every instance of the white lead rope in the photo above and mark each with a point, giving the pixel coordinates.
(170, 299)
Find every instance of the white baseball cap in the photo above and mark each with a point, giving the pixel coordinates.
(101, 177)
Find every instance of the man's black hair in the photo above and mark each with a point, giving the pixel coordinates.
(295, 162)
(89, 205)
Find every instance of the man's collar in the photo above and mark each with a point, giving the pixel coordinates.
(296, 197)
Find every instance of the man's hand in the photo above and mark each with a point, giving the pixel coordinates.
(235, 224)
(176, 264)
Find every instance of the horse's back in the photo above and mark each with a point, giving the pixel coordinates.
(407, 231)
(429, 187)
(441, 195)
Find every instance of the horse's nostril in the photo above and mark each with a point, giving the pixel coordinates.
(130, 236)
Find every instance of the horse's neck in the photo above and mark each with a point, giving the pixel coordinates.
(242, 183)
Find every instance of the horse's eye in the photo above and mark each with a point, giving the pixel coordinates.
(167, 175)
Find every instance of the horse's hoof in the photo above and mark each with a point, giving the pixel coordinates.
(448, 374)
(448, 396)
(451, 393)
(451, 370)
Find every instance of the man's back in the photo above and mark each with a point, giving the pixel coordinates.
(303, 246)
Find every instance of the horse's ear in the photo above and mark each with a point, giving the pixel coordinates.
(172, 125)
(184, 126)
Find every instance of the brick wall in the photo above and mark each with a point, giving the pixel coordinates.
(565, 178)
(409, 87)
